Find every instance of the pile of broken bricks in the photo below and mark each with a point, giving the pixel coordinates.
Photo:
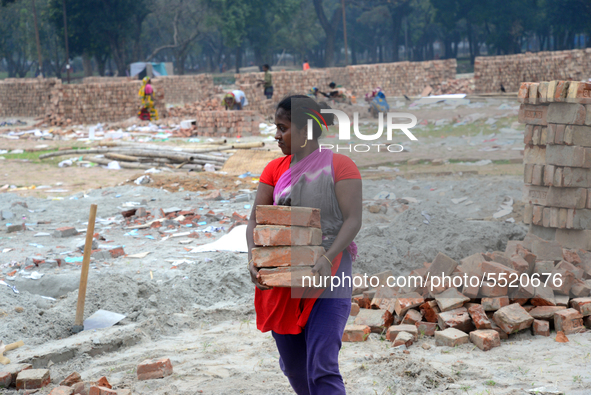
(288, 241)
(486, 313)
(24, 377)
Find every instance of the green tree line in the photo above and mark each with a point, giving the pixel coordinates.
(215, 35)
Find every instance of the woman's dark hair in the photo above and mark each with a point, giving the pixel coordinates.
(298, 109)
(332, 85)
(266, 66)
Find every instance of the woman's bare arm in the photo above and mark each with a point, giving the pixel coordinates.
(349, 196)
(264, 197)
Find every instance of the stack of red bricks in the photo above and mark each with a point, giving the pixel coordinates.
(557, 160)
(288, 243)
(396, 79)
(511, 70)
(26, 97)
(488, 297)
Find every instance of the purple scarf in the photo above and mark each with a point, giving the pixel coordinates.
(310, 183)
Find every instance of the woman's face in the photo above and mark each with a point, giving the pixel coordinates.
(283, 133)
(288, 137)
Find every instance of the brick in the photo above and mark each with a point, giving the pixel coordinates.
(523, 92)
(535, 155)
(566, 197)
(354, 309)
(519, 264)
(442, 264)
(430, 311)
(566, 113)
(561, 91)
(14, 369)
(559, 132)
(97, 390)
(533, 93)
(32, 379)
(383, 278)
(561, 300)
(458, 318)
(561, 281)
(356, 333)
(499, 257)
(537, 215)
(570, 156)
(411, 317)
(558, 177)
(485, 339)
(545, 312)
(542, 92)
(580, 289)
(582, 305)
(479, 317)
(288, 216)
(522, 290)
(451, 337)
(537, 131)
(569, 321)
(537, 175)
(72, 379)
(528, 136)
(15, 228)
(394, 330)
(62, 390)
(426, 328)
(287, 256)
(450, 299)
(542, 267)
(5, 379)
(406, 302)
(547, 250)
(66, 231)
(577, 271)
(385, 298)
(576, 177)
(533, 115)
(154, 369)
(544, 296)
(492, 289)
(549, 175)
(377, 320)
(535, 194)
(571, 256)
(403, 339)
(290, 277)
(271, 235)
(541, 328)
(471, 264)
(528, 169)
(494, 304)
(512, 318)
(116, 252)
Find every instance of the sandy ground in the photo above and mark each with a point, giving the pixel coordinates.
(197, 308)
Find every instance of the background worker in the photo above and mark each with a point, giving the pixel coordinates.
(306, 65)
(147, 112)
(267, 82)
(235, 100)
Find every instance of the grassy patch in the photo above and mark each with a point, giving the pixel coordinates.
(34, 156)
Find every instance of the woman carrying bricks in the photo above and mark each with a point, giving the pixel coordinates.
(308, 324)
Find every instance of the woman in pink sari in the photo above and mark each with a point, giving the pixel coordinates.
(308, 328)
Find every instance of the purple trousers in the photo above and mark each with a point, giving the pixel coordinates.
(310, 360)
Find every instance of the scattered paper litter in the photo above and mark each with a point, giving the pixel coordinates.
(233, 241)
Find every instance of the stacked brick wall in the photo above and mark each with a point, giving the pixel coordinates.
(395, 79)
(511, 70)
(26, 97)
(557, 160)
